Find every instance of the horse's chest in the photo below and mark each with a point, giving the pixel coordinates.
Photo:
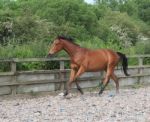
(76, 61)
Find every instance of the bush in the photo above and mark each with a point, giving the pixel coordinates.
(28, 26)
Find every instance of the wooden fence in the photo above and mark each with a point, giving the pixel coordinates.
(16, 82)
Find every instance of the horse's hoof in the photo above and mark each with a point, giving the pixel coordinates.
(99, 94)
(69, 96)
(61, 94)
(65, 93)
(111, 95)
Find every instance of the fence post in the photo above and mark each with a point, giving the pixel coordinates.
(62, 75)
(140, 69)
(13, 69)
(140, 59)
(62, 65)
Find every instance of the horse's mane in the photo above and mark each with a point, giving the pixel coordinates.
(67, 38)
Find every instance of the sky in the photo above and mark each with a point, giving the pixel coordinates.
(89, 1)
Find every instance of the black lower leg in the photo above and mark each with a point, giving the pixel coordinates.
(68, 87)
(66, 93)
(79, 88)
(103, 87)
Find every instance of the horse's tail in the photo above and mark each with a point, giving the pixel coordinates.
(124, 60)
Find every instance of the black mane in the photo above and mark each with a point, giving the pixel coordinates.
(66, 38)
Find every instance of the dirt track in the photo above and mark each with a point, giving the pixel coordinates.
(131, 105)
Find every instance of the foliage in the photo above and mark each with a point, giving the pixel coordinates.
(28, 26)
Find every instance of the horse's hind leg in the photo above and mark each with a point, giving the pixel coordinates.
(107, 78)
(104, 83)
(78, 87)
(114, 77)
(103, 86)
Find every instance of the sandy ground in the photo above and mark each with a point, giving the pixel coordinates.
(131, 105)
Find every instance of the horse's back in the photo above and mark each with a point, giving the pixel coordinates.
(111, 56)
(99, 59)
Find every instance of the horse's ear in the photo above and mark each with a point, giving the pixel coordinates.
(59, 37)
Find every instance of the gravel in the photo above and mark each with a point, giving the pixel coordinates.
(131, 105)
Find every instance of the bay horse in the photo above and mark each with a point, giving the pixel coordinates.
(85, 60)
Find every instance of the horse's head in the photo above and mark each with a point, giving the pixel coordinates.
(55, 47)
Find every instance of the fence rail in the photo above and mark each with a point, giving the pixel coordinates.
(61, 60)
(15, 81)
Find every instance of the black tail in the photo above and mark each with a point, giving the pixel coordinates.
(124, 62)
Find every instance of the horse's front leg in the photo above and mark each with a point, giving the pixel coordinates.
(79, 72)
(74, 76)
(69, 83)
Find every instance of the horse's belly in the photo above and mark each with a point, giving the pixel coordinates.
(96, 65)
(95, 69)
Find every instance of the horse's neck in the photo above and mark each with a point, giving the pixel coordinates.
(71, 48)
